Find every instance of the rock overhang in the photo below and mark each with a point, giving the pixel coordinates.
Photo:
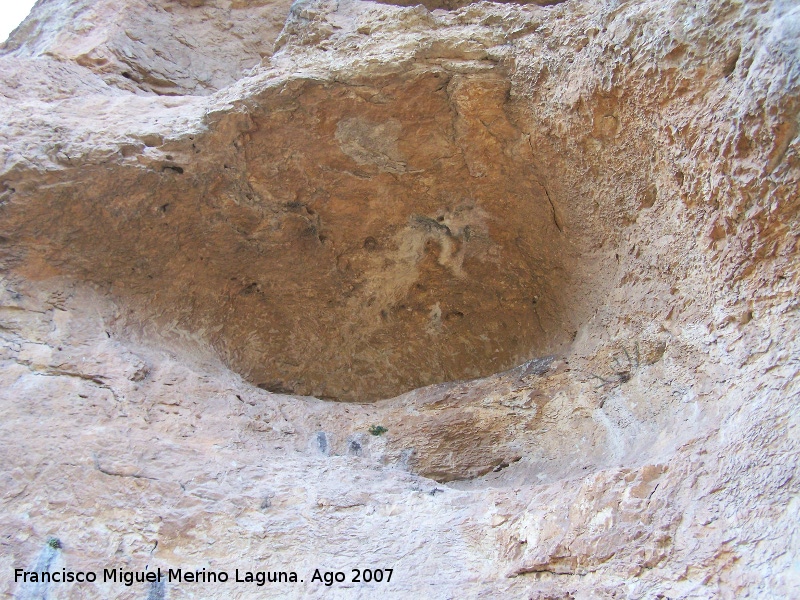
(347, 240)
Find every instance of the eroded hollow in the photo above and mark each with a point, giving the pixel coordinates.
(409, 238)
(347, 241)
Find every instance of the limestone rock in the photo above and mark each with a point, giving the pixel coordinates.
(543, 256)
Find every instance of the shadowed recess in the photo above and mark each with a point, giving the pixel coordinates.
(347, 241)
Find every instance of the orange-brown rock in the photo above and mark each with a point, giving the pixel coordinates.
(544, 257)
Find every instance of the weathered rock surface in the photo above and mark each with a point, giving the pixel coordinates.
(576, 224)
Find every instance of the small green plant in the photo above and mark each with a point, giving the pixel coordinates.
(54, 543)
(377, 430)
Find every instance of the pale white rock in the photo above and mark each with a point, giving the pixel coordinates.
(353, 199)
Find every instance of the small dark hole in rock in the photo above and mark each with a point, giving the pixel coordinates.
(730, 65)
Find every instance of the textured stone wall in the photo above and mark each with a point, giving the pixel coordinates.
(545, 257)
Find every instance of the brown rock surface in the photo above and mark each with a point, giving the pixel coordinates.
(576, 224)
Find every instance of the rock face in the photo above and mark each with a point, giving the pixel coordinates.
(544, 258)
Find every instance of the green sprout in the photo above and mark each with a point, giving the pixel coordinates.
(377, 429)
(54, 543)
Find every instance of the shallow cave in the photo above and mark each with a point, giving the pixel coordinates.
(350, 242)
(394, 247)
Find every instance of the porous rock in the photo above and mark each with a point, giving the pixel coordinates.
(502, 296)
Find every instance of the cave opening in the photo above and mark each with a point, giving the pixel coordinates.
(348, 241)
(401, 242)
